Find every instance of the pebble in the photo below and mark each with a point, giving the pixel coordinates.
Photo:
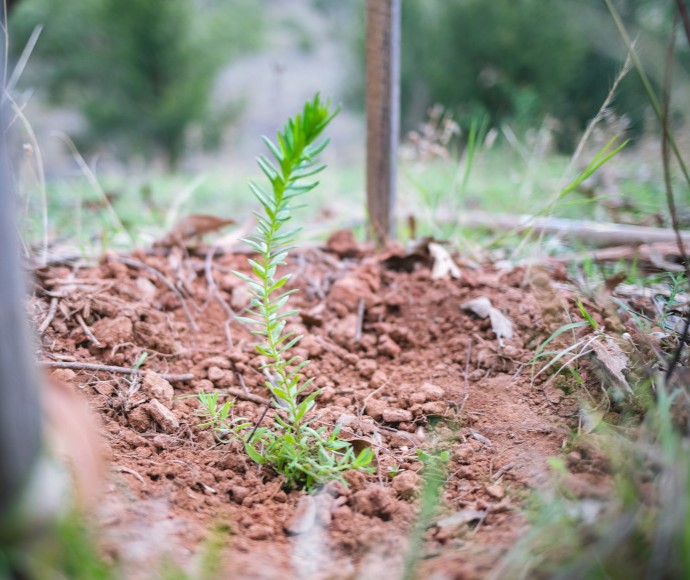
(375, 408)
(215, 374)
(216, 361)
(239, 493)
(433, 392)
(388, 347)
(406, 484)
(139, 419)
(163, 416)
(158, 388)
(496, 491)
(391, 415)
(378, 379)
(434, 408)
(259, 532)
(367, 367)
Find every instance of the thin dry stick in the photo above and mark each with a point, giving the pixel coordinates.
(213, 289)
(40, 174)
(142, 266)
(87, 331)
(23, 58)
(93, 181)
(49, 317)
(80, 366)
(240, 378)
(247, 396)
(666, 158)
(124, 469)
(258, 423)
(360, 320)
(466, 387)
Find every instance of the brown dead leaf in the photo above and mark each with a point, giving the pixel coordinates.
(194, 226)
(613, 360)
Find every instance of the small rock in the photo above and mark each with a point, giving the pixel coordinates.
(158, 388)
(313, 347)
(375, 408)
(343, 331)
(553, 394)
(346, 419)
(259, 532)
(496, 491)
(378, 379)
(240, 298)
(139, 419)
(433, 392)
(304, 517)
(417, 398)
(406, 484)
(216, 361)
(215, 374)
(239, 493)
(112, 331)
(374, 501)
(388, 347)
(348, 291)
(367, 367)
(465, 472)
(391, 415)
(163, 416)
(434, 409)
(463, 454)
(165, 442)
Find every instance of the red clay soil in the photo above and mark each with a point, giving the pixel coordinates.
(402, 367)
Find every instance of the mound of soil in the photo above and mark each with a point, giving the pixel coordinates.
(402, 367)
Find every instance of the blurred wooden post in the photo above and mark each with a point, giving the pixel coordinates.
(383, 114)
(20, 408)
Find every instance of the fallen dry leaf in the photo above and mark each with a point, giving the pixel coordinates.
(193, 226)
(443, 263)
(613, 360)
(500, 323)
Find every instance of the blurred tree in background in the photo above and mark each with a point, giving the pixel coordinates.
(141, 71)
(519, 60)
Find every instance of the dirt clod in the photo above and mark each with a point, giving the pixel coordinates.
(374, 501)
(158, 388)
(163, 416)
(406, 484)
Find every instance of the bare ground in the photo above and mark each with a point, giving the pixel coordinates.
(402, 367)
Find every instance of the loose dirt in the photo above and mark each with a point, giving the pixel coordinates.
(402, 367)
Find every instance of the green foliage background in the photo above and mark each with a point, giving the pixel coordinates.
(518, 60)
(142, 71)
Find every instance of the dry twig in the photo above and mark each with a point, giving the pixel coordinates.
(81, 366)
(52, 310)
(87, 331)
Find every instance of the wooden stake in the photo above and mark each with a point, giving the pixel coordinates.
(383, 114)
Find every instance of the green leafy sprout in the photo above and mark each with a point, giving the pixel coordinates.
(304, 455)
(225, 427)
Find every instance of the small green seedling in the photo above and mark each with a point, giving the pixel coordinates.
(393, 470)
(225, 427)
(305, 456)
